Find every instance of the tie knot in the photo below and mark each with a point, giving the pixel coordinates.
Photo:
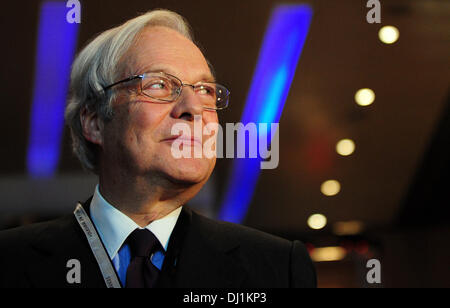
(143, 243)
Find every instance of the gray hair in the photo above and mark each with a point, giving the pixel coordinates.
(97, 66)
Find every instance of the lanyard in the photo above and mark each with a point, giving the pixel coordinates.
(108, 272)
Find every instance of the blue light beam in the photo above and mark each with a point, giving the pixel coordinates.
(55, 50)
(278, 59)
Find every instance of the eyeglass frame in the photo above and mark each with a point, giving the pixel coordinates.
(178, 91)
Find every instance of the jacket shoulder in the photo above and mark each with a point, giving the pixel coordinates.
(227, 231)
(20, 237)
(287, 262)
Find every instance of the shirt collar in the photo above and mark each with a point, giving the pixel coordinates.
(114, 226)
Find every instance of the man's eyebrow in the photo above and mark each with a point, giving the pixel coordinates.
(208, 78)
(203, 77)
(156, 68)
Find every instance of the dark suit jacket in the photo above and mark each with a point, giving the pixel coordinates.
(201, 253)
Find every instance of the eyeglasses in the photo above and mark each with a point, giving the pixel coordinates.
(164, 87)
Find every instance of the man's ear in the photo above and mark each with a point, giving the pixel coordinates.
(92, 126)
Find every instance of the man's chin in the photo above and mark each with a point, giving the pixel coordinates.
(188, 172)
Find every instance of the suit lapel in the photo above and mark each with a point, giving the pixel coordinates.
(61, 241)
(202, 257)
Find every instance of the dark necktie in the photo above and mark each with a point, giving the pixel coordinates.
(141, 272)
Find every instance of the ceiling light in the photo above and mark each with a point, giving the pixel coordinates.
(364, 97)
(317, 221)
(332, 253)
(348, 227)
(345, 147)
(388, 34)
(330, 187)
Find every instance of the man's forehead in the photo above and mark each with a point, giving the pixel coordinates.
(199, 75)
(165, 50)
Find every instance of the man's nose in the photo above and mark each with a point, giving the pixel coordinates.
(188, 104)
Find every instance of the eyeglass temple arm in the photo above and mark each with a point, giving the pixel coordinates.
(124, 80)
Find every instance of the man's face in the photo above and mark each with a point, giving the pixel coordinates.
(136, 139)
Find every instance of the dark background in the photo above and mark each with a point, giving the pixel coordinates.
(396, 184)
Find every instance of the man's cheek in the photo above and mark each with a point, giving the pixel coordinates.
(147, 119)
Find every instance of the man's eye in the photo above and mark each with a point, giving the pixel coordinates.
(158, 85)
(205, 90)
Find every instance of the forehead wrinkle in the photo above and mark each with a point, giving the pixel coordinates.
(203, 77)
(172, 53)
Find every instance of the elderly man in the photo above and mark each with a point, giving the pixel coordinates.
(129, 87)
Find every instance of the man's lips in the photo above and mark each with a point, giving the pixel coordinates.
(184, 140)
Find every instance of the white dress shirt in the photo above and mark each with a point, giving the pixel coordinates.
(114, 227)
